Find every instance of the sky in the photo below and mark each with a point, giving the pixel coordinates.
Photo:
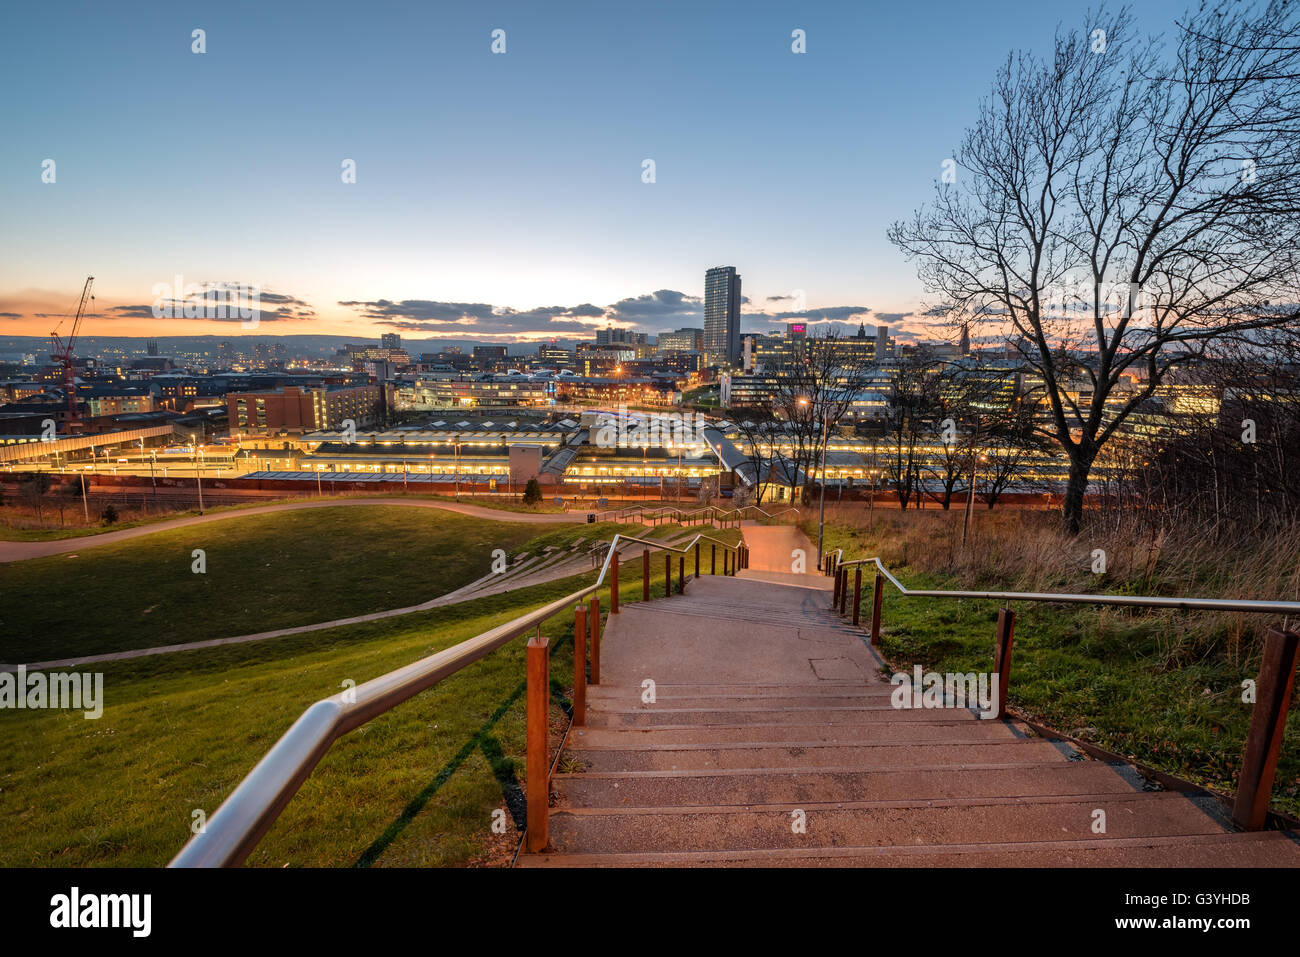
(497, 196)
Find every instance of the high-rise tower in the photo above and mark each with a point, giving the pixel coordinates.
(722, 315)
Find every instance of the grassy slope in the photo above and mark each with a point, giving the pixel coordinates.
(283, 569)
(1150, 687)
(415, 787)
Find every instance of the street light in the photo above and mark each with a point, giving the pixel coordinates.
(198, 471)
(821, 509)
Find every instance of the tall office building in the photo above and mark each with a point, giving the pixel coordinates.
(722, 315)
(882, 343)
(390, 340)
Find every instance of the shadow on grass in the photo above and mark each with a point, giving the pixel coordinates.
(503, 769)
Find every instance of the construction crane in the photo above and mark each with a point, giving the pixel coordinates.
(62, 354)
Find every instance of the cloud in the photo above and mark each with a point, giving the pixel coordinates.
(476, 318)
(659, 306)
(237, 298)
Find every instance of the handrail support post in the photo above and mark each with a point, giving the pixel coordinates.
(537, 769)
(1273, 692)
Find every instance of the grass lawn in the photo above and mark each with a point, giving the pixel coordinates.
(21, 532)
(415, 787)
(1144, 685)
(263, 572)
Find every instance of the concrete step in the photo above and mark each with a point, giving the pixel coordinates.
(685, 758)
(1268, 849)
(995, 820)
(893, 732)
(673, 692)
(632, 702)
(749, 786)
(660, 716)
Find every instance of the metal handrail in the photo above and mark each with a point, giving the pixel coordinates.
(619, 536)
(244, 817)
(1141, 601)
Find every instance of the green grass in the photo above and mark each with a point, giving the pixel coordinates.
(1148, 686)
(263, 573)
(414, 787)
(22, 533)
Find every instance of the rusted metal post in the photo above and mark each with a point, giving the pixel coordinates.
(579, 665)
(835, 590)
(668, 575)
(645, 575)
(536, 764)
(844, 589)
(876, 601)
(713, 559)
(1267, 723)
(681, 574)
(1002, 656)
(697, 559)
(857, 594)
(613, 584)
(593, 621)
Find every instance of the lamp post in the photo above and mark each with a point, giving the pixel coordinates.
(821, 509)
(198, 471)
(153, 462)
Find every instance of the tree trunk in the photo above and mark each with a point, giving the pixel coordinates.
(1080, 468)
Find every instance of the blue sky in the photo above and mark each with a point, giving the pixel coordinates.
(508, 183)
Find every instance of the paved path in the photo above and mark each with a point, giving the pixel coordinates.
(773, 740)
(18, 551)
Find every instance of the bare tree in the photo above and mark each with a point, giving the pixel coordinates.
(814, 392)
(1118, 212)
(764, 433)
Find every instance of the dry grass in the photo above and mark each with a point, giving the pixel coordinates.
(1026, 550)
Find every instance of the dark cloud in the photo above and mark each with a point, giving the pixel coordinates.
(10, 315)
(652, 312)
(832, 314)
(659, 306)
(234, 296)
(478, 318)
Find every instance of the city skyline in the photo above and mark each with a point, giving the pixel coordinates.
(551, 228)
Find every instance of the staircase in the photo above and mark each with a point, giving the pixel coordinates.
(771, 740)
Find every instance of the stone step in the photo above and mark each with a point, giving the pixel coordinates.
(893, 732)
(997, 820)
(681, 758)
(749, 786)
(1268, 849)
